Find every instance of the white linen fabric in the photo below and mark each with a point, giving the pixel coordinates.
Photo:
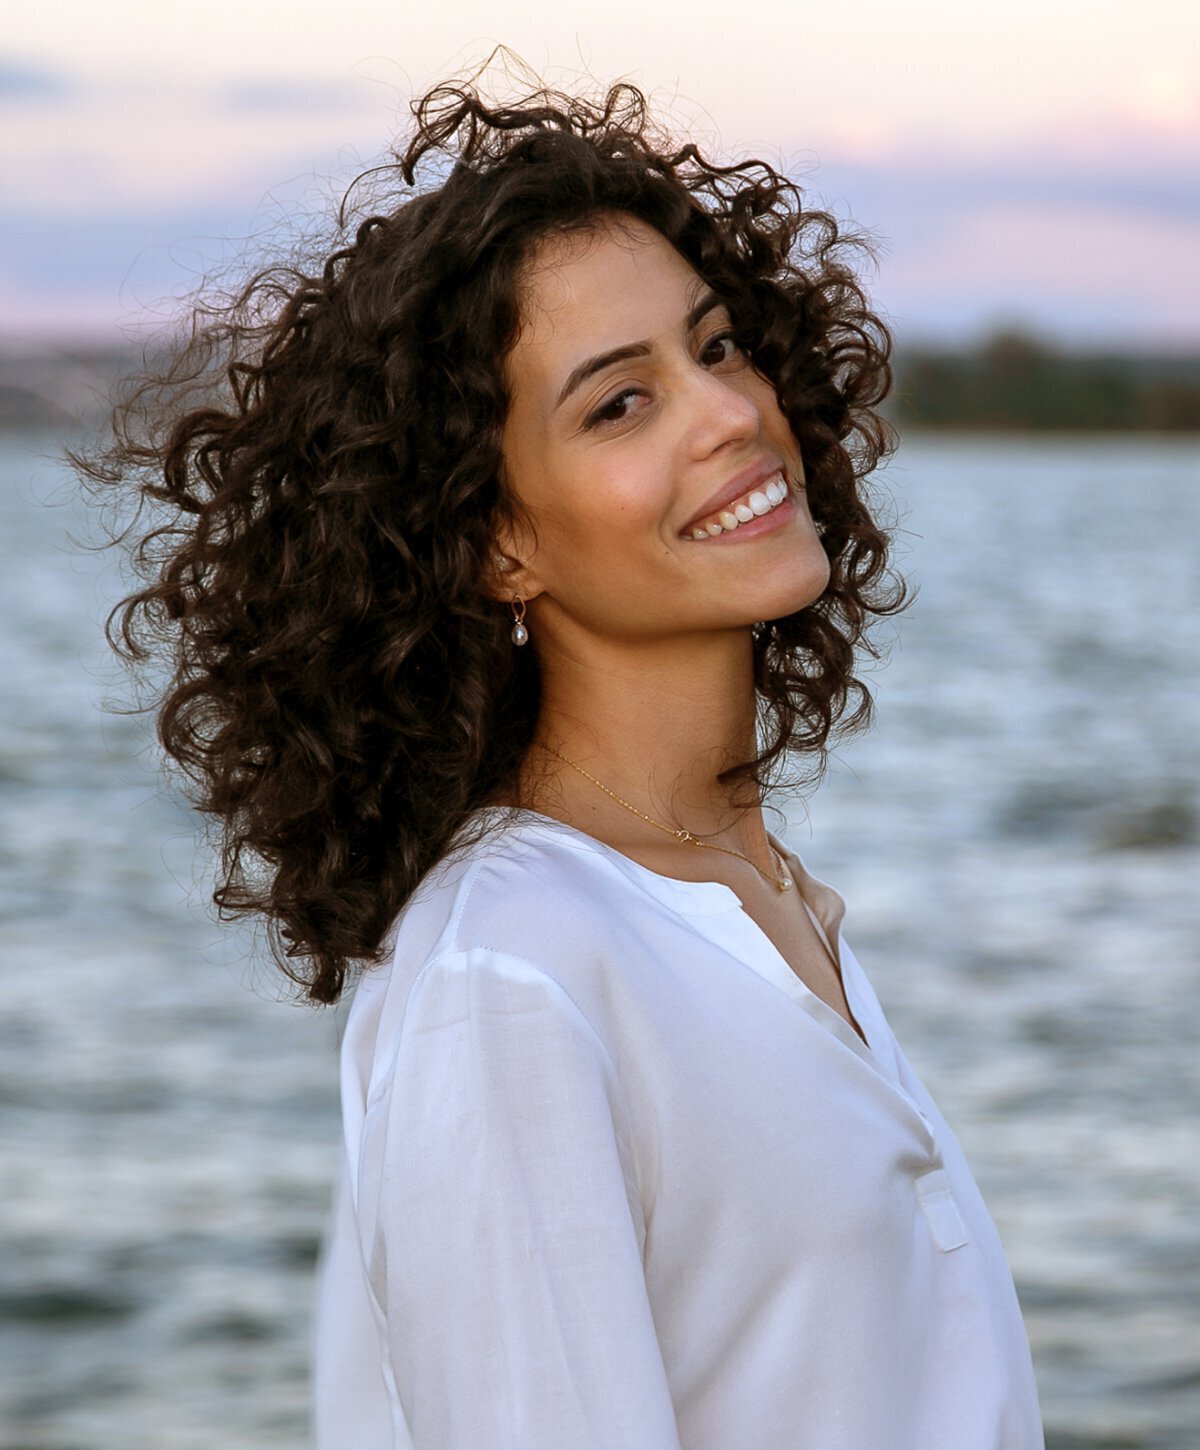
(615, 1179)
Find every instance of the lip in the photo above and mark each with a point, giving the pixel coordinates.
(749, 478)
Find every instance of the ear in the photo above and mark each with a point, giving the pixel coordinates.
(510, 570)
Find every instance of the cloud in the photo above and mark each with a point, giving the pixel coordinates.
(1088, 274)
(142, 149)
(129, 268)
(272, 96)
(908, 187)
(21, 82)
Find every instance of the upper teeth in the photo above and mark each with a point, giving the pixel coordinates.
(751, 506)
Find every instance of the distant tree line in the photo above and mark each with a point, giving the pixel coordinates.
(1016, 382)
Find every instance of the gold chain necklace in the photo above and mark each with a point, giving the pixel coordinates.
(783, 881)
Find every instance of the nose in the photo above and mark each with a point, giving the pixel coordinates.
(721, 410)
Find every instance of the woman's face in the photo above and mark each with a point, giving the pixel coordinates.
(662, 482)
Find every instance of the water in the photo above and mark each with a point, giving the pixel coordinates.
(1018, 840)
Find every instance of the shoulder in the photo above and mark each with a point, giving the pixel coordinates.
(515, 887)
(514, 882)
(525, 889)
(503, 941)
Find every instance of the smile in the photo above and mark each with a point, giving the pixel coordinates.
(754, 504)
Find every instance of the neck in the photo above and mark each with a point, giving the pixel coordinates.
(656, 723)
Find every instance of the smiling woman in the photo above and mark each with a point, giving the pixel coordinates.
(511, 559)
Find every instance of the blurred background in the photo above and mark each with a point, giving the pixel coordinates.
(1018, 838)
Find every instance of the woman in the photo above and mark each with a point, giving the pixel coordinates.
(525, 553)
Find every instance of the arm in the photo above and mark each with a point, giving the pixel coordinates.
(507, 1250)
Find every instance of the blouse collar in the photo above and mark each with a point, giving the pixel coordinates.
(688, 898)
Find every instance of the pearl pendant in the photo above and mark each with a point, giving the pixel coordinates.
(784, 883)
(520, 635)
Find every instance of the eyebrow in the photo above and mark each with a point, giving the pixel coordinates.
(603, 360)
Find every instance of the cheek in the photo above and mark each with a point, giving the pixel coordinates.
(603, 544)
(778, 423)
(600, 502)
(762, 392)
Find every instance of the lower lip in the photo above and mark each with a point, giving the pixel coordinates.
(762, 524)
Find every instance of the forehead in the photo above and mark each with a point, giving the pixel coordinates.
(583, 293)
(568, 266)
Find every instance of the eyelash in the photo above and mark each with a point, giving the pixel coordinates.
(596, 418)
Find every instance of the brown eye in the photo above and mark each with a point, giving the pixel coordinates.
(720, 349)
(614, 410)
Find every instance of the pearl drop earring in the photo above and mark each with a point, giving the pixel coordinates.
(520, 635)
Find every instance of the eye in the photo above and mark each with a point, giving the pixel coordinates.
(614, 410)
(721, 348)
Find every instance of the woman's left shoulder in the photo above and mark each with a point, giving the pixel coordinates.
(510, 883)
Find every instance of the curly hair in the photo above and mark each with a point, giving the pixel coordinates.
(323, 453)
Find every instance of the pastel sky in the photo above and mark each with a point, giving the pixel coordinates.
(1035, 163)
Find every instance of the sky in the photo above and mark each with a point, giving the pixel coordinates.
(1031, 165)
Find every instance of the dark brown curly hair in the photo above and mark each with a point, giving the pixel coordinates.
(322, 465)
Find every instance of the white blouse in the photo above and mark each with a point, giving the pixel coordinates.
(615, 1179)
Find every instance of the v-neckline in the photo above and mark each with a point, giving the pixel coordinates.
(853, 1034)
(801, 874)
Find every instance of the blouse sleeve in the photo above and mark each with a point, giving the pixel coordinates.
(507, 1245)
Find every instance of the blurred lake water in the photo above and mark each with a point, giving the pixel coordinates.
(1018, 840)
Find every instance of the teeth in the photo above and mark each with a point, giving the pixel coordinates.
(760, 502)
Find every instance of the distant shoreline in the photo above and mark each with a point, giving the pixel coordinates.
(1010, 383)
(1014, 382)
